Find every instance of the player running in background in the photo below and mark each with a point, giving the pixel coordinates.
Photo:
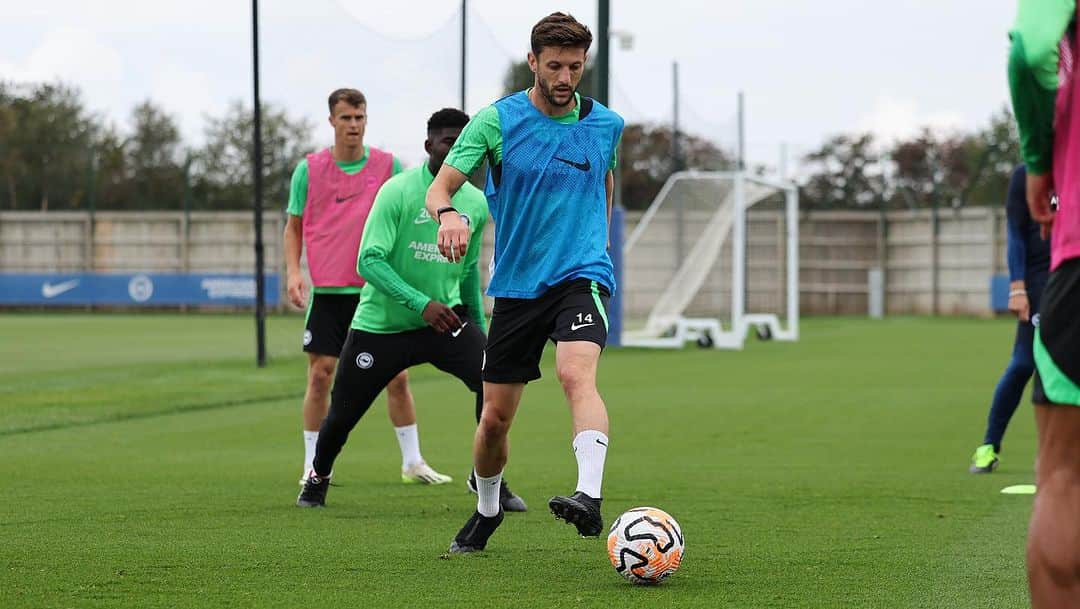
(1029, 263)
(416, 308)
(329, 199)
(1043, 83)
(549, 190)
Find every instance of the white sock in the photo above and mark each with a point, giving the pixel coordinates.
(590, 448)
(409, 441)
(487, 490)
(311, 440)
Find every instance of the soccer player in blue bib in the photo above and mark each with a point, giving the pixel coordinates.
(549, 189)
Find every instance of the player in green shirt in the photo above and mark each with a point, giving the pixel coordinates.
(1043, 82)
(416, 307)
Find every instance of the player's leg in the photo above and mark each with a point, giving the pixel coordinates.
(511, 359)
(402, 410)
(490, 453)
(1007, 394)
(581, 333)
(325, 328)
(462, 355)
(368, 363)
(1053, 551)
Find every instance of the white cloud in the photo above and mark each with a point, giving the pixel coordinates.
(894, 118)
(387, 18)
(71, 54)
(188, 95)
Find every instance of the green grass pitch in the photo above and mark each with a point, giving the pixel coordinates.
(145, 462)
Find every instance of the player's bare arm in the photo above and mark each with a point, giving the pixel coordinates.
(1039, 188)
(609, 188)
(453, 231)
(294, 238)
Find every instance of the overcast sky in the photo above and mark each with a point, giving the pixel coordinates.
(809, 69)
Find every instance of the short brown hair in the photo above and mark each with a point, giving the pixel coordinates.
(560, 30)
(349, 96)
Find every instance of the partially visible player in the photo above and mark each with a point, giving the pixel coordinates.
(1029, 263)
(1043, 84)
(416, 308)
(551, 152)
(329, 199)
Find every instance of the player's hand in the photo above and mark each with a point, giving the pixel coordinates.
(441, 317)
(1019, 304)
(1039, 190)
(453, 237)
(297, 290)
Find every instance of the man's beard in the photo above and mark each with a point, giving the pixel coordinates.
(549, 94)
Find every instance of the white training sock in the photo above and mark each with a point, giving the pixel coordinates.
(409, 440)
(590, 449)
(487, 490)
(311, 440)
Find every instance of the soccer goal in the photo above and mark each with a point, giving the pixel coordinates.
(714, 256)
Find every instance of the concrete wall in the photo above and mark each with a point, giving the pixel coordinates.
(949, 274)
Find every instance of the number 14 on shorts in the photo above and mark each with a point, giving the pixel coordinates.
(583, 320)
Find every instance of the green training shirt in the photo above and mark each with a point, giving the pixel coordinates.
(298, 190)
(1033, 75)
(402, 265)
(483, 137)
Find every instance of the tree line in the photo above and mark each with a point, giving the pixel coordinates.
(56, 154)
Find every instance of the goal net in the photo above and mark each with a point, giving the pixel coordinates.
(715, 255)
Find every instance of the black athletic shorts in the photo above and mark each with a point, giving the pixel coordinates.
(520, 327)
(328, 319)
(370, 361)
(1058, 359)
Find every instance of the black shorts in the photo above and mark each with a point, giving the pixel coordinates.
(328, 319)
(520, 327)
(1058, 362)
(370, 361)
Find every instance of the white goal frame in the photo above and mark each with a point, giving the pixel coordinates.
(707, 331)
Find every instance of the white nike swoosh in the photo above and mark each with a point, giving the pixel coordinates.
(49, 290)
(422, 219)
(574, 327)
(458, 331)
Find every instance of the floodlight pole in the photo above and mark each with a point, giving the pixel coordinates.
(603, 55)
(464, 14)
(741, 150)
(260, 279)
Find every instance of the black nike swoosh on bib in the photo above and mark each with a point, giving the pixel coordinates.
(582, 166)
(341, 199)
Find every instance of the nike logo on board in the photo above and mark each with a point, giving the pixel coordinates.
(49, 290)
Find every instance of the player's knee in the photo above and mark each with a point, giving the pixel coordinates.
(493, 423)
(1022, 364)
(399, 385)
(574, 379)
(320, 376)
(1059, 558)
(1022, 371)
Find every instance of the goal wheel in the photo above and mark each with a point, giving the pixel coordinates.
(705, 341)
(764, 332)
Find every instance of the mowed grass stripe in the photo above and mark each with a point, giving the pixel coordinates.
(828, 473)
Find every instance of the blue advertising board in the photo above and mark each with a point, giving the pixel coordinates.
(133, 289)
(999, 293)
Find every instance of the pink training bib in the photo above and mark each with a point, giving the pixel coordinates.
(335, 212)
(1065, 236)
